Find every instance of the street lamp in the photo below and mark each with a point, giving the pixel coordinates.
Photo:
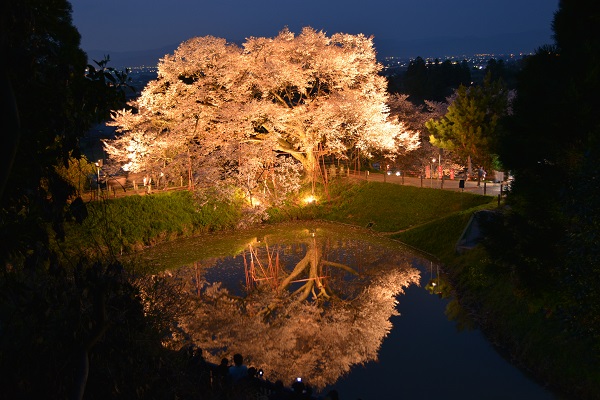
(431, 168)
(440, 175)
(98, 166)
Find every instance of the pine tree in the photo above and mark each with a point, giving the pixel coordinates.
(470, 126)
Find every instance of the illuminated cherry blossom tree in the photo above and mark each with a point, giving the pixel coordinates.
(414, 118)
(304, 97)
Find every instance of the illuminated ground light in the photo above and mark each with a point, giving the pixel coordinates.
(310, 199)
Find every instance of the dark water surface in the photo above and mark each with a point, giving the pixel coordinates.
(427, 357)
(354, 340)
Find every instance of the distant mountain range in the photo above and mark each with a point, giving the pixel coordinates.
(441, 47)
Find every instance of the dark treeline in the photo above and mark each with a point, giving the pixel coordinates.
(546, 243)
(430, 81)
(67, 328)
(438, 80)
(551, 144)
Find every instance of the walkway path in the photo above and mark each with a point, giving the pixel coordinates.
(485, 188)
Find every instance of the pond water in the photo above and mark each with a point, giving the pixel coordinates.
(340, 307)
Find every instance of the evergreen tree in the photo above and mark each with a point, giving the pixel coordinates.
(501, 71)
(470, 126)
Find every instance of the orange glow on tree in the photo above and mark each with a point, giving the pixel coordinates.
(303, 97)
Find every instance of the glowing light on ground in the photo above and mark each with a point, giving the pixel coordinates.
(310, 199)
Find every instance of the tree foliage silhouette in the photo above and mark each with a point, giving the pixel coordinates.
(433, 81)
(69, 327)
(551, 144)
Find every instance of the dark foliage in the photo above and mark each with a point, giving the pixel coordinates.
(66, 328)
(69, 333)
(49, 103)
(552, 145)
(499, 71)
(430, 81)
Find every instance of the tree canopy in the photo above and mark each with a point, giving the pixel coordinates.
(49, 103)
(301, 96)
(43, 90)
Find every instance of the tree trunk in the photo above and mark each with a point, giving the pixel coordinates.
(311, 166)
(190, 175)
(469, 167)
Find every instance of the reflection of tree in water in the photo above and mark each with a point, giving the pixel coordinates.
(311, 275)
(317, 323)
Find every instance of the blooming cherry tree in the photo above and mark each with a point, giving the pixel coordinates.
(301, 96)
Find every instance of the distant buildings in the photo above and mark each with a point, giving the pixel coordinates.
(393, 65)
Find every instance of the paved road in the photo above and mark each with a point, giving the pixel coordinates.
(485, 188)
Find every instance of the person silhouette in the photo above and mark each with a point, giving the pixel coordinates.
(298, 390)
(198, 368)
(221, 372)
(250, 385)
(238, 370)
(278, 391)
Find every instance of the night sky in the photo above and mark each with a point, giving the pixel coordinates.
(400, 27)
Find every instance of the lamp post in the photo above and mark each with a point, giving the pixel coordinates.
(98, 166)
(431, 168)
(440, 170)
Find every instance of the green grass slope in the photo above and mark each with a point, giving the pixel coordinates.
(387, 207)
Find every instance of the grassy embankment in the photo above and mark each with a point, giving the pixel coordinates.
(130, 223)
